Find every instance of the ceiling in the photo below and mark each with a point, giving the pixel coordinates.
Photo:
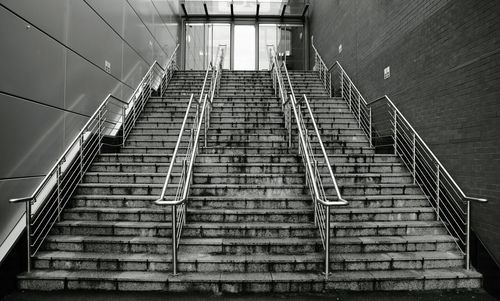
(244, 8)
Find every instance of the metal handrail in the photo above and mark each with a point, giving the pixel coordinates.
(45, 204)
(321, 203)
(442, 191)
(203, 117)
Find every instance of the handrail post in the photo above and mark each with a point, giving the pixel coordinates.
(327, 242)
(467, 238)
(28, 233)
(350, 96)
(438, 191)
(359, 110)
(395, 133)
(414, 158)
(341, 84)
(123, 125)
(174, 240)
(81, 156)
(330, 84)
(58, 176)
(370, 126)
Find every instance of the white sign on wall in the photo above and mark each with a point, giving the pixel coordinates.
(387, 72)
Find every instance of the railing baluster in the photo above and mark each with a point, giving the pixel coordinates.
(174, 239)
(395, 133)
(438, 191)
(414, 158)
(28, 233)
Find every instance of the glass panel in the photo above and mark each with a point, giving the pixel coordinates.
(271, 7)
(196, 48)
(291, 46)
(267, 38)
(221, 35)
(244, 47)
(242, 7)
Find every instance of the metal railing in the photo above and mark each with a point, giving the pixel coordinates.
(113, 118)
(313, 177)
(386, 127)
(201, 118)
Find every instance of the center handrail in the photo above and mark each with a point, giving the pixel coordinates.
(321, 203)
(178, 203)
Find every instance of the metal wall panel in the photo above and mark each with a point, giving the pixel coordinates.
(91, 37)
(87, 85)
(31, 137)
(136, 34)
(49, 15)
(111, 11)
(55, 65)
(28, 58)
(134, 67)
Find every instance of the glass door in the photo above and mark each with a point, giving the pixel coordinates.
(244, 47)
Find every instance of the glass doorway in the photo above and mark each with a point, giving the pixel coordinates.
(244, 47)
(247, 45)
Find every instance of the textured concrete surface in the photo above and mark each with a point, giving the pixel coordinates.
(339, 296)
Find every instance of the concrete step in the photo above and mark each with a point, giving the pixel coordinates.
(246, 190)
(236, 174)
(255, 202)
(220, 282)
(201, 263)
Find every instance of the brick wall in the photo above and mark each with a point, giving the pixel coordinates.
(444, 57)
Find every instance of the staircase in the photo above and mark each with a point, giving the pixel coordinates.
(250, 223)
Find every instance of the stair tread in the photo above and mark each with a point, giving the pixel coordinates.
(215, 277)
(190, 257)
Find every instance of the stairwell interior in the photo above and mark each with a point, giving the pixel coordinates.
(250, 223)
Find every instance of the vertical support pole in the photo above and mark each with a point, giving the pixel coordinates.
(370, 126)
(58, 175)
(359, 110)
(342, 84)
(99, 126)
(205, 128)
(315, 201)
(438, 191)
(28, 233)
(327, 242)
(174, 239)
(395, 133)
(467, 238)
(289, 126)
(350, 96)
(123, 125)
(330, 84)
(81, 156)
(414, 158)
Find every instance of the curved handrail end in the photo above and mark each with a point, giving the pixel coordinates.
(19, 200)
(479, 200)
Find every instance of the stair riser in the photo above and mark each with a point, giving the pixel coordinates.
(242, 266)
(230, 249)
(165, 217)
(277, 169)
(393, 247)
(237, 178)
(239, 286)
(108, 247)
(265, 180)
(201, 158)
(235, 204)
(247, 204)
